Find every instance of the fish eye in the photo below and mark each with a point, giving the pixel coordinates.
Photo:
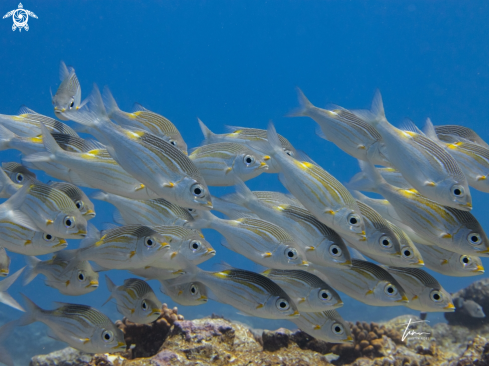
(458, 190)
(282, 304)
(173, 142)
(436, 296)
(190, 210)
(337, 329)
(465, 260)
(107, 336)
(19, 177)
(81, 276)
(407, 253)
(385, 241)
(291, 253)
(144, 305)
(149, 242)
(72, 103)
(353, 219)
(288, 152)
(198, 190)
(79, 204)
(325, 295)
(195, 245)
(335, 250)
(193, 289)
(390, 290)
(48, 237)
(474, 239)
(69, 222)
(248, 159)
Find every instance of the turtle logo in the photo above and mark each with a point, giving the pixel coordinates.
(20, 17)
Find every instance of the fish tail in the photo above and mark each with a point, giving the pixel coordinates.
(273, 140)
(31, 312)
(110, 102)
(208, 134)
(243, 194)
(92, 113)
(192, 273)
(51, 146)
(111, 287)
(304, 105)
(373, 179)
(376, 114)
(5, 137)
(100, 196)
(5, 298)
(361, 182)
(30, 272)
(204, 220)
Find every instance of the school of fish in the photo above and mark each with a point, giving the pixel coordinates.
(321, 239)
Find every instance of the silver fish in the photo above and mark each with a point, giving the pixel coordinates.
(187, 294)
(79, 198)
(454, 133)
(63, 272)
(126, 247)
(327, 326)
(447, 227)
(366, 282)
(221, 163)
(4, 263)
(158, 164)
(153, 273)
(151, 212)
(68, 95)
(322, 194)
(310, 293)
(247, 291)
(81, 326)
(258, 240)
(449, 263)
(135, 300)
(423, 290)
(18, 173)
(144, 119)
(5, 297)
(254, 138)
(390, 175)
(352, 134)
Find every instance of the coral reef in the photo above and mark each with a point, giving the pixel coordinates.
(478, 291)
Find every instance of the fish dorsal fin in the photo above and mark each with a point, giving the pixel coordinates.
(429, 130)
(63, 71)
(24, 110)
(117, 216)
(109, 226)
(139, 108)
(408, 125)
(222, 266)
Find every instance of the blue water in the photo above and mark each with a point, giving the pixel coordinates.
(237, 63)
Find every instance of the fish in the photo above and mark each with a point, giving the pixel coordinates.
(410, 254)
(154, 273)
(390, 175)
(430, 170)
(346, 129)
(125, 247)
(454, 133)
(187, 294)
(253, 138)
(310, 293)
(327, 326)
(5, 297)
(258, 240)
(135, 300)
(64, 272)
(79, 198)
(80, 326)
(5, 333)
(450, 263)
(159, 165)
(450, 228)
(227, 207)
(277, 198)
(423, 290)
(469, 307)
(4, 263)
(320, 193)
(221, 163)
(17, 173)
(365, 282)
(321, 244)
(152, 212)
(142, 118)
(249, 292)
(68, 95)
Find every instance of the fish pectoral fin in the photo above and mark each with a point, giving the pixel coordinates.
(49, 222)
(369, 292)
(481, 177)
(85, 340)
(430, 184)
(228, 169)
(310, 248)
(317, 327)
(169, 185)
(446, 236)
(132, 311)
(132, 254)
(67, 283)
(27, 242)
(329, 211)
(362, 147)
(301, 300)
(445, 261)
(173, 255)
(266, 255)
(141, 186)
(259, 306)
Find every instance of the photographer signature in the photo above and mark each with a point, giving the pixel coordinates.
(408, 332)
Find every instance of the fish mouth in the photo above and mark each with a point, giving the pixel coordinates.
(449, 307)
(89, 213)
(404, 298)
(211, 252)
(469, 205)
(346, 263)
(120, 345)
(61, 243)
(164, 245)
(338, 304)
(420, 262)
(295, 314)
(82, 233)
(263, 165)
(92, 284)
(479, 269)
(208, 204)
(155, 311)
(4, 272)
(348, 339)
(202, 298)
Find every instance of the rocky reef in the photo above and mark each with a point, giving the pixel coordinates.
(174, 341)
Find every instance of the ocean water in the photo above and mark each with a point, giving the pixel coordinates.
(237, 63)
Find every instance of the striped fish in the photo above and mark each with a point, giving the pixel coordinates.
(187, 294)
(126, 247)
(365, 282)
(143, 119)
(81, 326)
(4, 263)
(410, 255)
(309, 292)
(423, 290)
(320, 193)
(63, 272)
(135, 300)
(258, 240)
(449, 263)
(17, 173)
(79, 198)
(254, 138)
(247, 291)
(221, 163)
(327, 326)
(152, 212)
(68, 95)
(352, 134)
(454, 133)
(159, 165)
(392, 176)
